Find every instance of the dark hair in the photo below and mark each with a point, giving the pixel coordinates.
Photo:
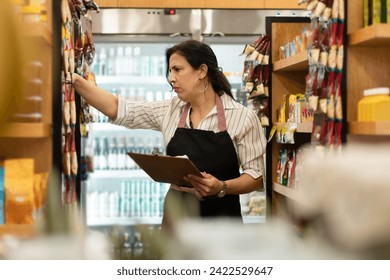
(197, 53)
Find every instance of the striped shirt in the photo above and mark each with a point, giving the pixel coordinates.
(242, 124)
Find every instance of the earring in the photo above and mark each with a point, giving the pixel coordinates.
(205, 88)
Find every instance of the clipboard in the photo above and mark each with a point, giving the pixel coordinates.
(166, 169)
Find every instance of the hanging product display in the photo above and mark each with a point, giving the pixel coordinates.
(256, 74)
(77, 54)
(324, 80)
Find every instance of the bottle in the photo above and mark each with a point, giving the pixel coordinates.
(125, 210)
(128, 60)
(161, 66)
(96, 153)
(103, 62)
(140, 146)
(122, 156)
(96, 65)
(145, 65)
(149, 96)
(130, 147)
(120, 61)
(138, 247)
(149, 147)
(113, 154)
(136, 61)
(158, 145)
(103, 156)
(113, 209)
(126, 250)
(159, 96)
(111, 62)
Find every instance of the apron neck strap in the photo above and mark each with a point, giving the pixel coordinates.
(220, 114)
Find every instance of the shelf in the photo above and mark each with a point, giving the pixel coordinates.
(369, 128)
(118, 174)
(377, 35)
(151, 80)
(287, 192)
(38, 30)
(301, 127)
(26, 130)
(297, 62)
(110, 221)
(17, 230)
(253, 219)
(103, 127)
(130, 80)
(154, 221)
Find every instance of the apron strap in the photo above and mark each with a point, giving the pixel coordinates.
(220, 115)
(183, 116)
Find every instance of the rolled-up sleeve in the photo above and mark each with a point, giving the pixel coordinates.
(251, 146)
(136, 114)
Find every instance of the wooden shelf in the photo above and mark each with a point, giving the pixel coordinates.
(287, 192)
(17, 230)
(301, 127)
(38, 30)
(26, 130)
(297, 62)
(369, 128)
(377, 35)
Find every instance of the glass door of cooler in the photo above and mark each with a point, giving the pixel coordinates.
(118, 192)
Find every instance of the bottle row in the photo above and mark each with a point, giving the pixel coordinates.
(127, 60)
(130, 244)
(142, 198)
(110, 153)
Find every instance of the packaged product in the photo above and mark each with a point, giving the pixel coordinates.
(19, 190)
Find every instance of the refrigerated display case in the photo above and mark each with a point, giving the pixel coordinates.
(130, 60)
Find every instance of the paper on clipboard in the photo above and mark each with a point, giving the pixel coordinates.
(166, 169)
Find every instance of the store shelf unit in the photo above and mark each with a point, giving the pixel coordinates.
(368, 57)
(287, 76)
(21, 231)
(37, 140)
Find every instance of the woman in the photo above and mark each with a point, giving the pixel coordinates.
(203, 122)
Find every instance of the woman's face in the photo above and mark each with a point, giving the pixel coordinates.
(182, 77)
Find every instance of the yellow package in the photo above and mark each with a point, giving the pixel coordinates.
(19, 191)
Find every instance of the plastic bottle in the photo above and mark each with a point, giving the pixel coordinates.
(126, 250)
(120, 61)
(103, 156)
(138, 247)
(130, 147)
(113, 154)
(128, 61)
(111, 62)
(103, 62)
(122, 156)
(96, 153)
(137, 61)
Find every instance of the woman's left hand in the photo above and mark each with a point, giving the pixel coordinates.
(187, 190)
(207, 185)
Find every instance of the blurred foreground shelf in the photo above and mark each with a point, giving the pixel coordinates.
(26, 130)
(369, 128)
(17, 230)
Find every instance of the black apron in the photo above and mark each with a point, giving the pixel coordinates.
(211, 152)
